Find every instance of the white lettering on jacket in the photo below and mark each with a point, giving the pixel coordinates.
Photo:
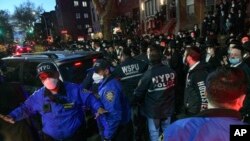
(163, 82)
(202, 89)
(130, 69)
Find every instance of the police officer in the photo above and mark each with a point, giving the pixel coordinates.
(156, 93)
(115, 102)
(60, 105)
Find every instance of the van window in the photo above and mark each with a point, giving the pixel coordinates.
(12, 71)
(75, 71)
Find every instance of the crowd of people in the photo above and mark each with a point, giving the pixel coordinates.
(143, 85)
(228, 18)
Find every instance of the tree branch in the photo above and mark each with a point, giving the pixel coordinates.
(108, 7)
(98, 6)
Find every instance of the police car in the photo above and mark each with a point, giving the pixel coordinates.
(72, 66)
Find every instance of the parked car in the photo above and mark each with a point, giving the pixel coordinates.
(23, 49)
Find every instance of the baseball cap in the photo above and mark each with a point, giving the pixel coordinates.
(46, 67)
(100, 64)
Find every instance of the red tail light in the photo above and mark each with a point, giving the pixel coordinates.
(18, 54)
(94, 60)
(78, 64)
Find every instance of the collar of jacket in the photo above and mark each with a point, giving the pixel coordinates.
(128, 59)
(198, 67)
(62, 90)
(106, 80)
(156, 65)
(219, 112)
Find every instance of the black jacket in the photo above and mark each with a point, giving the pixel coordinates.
(246, 105)
(156, 92)
(195, 99)
(129, 72)
(213, 63)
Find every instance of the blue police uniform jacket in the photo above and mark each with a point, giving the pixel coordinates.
(115, 102)
(209, 125)
(61, 115)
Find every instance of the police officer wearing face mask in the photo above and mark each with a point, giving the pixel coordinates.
(236, 60)
(60, 105)
(115, 102)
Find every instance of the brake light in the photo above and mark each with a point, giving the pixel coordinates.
(78, 64)
(94, 60)
(18, 54)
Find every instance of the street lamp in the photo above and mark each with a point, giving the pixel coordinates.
(142, 6)
(162, 2)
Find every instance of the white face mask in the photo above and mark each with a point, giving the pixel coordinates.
(50, 83)
(97, 78)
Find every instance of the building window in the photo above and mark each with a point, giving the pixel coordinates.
(209, 4)
(84, 4)
(89, 30)
(86, 15)
(76, 3)
(78, 15)
(79, 27)
(154, 7)
(147, 8)
(87, 26)
(150, 9)
(94, 14)
(190, 7)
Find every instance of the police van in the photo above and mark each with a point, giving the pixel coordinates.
(72, 66)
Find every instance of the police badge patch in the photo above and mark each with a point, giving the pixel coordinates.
(110, 96)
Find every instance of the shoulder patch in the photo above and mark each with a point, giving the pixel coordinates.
(85, 91)
(110, 96)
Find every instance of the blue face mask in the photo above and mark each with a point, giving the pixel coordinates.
(234, 61)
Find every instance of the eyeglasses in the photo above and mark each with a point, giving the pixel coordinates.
(44, 76)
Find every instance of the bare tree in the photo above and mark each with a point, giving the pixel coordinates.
(26, 14)
(107, 10)
(6, 34)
